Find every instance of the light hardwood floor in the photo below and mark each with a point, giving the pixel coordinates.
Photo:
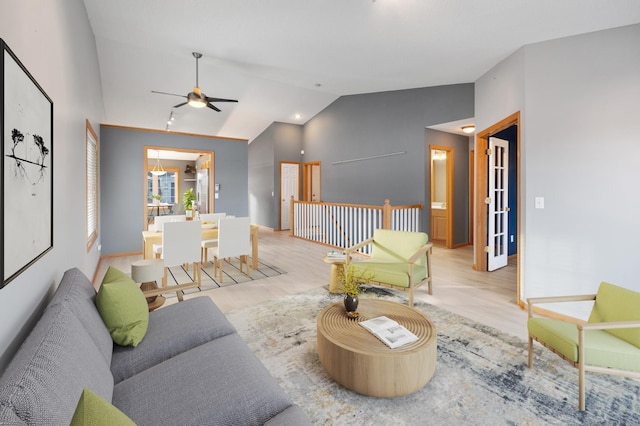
(485, 297)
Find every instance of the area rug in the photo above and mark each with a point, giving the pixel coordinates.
(231, 275)
(481, 376)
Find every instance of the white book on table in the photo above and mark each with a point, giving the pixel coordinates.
(389, 331)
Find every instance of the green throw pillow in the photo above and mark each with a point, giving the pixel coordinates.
(92, 410)
(123, 308)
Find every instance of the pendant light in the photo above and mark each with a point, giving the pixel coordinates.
(157, 169)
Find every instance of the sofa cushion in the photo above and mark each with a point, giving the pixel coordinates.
(78, 295)
(123, 308)
(218, 383)
(615, 304)
(600, 348)
(172, 330)
(95, 411)
(293, 415)
(56, 361)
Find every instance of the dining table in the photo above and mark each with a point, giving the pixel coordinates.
(149, 238)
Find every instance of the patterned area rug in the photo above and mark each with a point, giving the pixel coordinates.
(231, 275)
(481, 376)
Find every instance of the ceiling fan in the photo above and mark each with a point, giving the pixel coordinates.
(197, 99)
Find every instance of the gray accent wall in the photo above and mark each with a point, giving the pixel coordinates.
(122, 177)
(54, 41)
(279, 142)
(579, 99)
(378, 124)
(460, 145)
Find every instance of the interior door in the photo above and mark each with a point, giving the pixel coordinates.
(498, 219)
(289, 184)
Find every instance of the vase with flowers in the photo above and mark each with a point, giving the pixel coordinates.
(352, 281)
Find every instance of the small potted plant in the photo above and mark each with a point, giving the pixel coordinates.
(352, 281)
(156, 198)
(187, 203)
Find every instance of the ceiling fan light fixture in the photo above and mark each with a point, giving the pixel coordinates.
(196, 101)
(469, 129)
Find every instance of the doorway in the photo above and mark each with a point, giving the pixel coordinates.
(168, 173)
(442, 194)
(482, 197)
(289, 188)
(311, 182)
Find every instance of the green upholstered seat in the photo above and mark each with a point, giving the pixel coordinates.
(608, 343)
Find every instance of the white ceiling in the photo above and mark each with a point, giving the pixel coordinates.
(280, 58)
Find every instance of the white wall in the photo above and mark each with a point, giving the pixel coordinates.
(54, 41)
(580, 99)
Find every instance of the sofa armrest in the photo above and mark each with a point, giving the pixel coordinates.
(558, 299)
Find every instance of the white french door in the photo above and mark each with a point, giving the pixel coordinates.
(498, 219)
(289, 184)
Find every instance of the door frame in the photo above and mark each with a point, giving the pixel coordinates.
(481, 184)
(450, 164)
(208, 163)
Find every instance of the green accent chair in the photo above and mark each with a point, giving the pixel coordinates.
(609, 342)
(399, 259)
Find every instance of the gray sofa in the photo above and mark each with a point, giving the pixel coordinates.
(191, 368)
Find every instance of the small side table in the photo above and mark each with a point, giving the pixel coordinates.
(148, 272)
(334, 285)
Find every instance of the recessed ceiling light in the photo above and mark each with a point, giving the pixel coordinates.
(298, 116)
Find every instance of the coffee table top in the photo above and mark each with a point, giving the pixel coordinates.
(345, 332)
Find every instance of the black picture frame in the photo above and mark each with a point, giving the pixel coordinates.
(26, 150)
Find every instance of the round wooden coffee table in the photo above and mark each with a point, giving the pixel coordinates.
(357, 360)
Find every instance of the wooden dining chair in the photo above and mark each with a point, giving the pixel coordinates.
(234, 240)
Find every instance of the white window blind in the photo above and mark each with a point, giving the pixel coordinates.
(92, 187)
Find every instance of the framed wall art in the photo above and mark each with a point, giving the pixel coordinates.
(26, 148)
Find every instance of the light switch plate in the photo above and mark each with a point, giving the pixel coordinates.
(539, 203)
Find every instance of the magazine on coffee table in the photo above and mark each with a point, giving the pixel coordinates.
(390, 332)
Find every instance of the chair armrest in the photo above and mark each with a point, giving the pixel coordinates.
(609, 325)
(425, 248)
(557, 299)
(361, 244)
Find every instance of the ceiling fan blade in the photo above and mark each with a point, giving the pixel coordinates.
(220, 100)
(179, 105)
(213, 107)
(165, 93)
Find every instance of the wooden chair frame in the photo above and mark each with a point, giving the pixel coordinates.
(425, 250)
(582, 327)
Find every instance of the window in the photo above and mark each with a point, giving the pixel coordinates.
(92, 186)
(163, 188)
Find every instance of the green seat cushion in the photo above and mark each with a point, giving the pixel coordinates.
(615, 304)
(123, 308)
(601, 348)
(92, 410)
(396, 274)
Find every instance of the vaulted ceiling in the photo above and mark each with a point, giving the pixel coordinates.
(286, 60)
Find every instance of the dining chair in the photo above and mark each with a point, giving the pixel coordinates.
(180, 246)
(234, 240)
(157, 227)
(213, 218)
